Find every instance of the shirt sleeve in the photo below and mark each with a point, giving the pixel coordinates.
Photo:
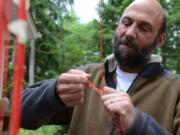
(176, 123)
(41, 106)
(145, 125)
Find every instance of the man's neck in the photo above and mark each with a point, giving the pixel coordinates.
(131, 70)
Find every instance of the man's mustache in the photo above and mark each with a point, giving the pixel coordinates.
(126, 42)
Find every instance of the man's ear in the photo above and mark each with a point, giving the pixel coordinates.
(161, 39)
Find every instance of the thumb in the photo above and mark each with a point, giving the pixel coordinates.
(108, 90)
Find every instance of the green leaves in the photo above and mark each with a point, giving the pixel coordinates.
(81, 43)
(49, 16)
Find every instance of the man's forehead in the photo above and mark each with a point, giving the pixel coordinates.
(152, 5)
(149, 7)
(146, 1)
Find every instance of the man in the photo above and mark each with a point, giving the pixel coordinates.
(140, 96)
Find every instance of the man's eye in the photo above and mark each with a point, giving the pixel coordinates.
(126, 22)
(144, 29)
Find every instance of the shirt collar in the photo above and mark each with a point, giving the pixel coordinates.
(155, 60)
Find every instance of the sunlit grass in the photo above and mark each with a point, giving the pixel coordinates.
(44, 130)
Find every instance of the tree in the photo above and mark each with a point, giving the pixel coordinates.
(81, 43)
(48, 16)
(171, 49)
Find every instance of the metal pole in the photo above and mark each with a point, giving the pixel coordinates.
(32, 62)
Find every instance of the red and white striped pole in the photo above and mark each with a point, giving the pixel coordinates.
(1, 62)
(1, 45)
(18, 73)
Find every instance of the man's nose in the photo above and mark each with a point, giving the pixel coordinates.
(131, 33)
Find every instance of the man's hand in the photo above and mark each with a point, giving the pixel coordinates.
(70, 87)
(120, 107)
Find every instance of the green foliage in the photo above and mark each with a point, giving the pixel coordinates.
(48, 16)
(65, 43)
(81, 43)
(45, 130)
(171, 49)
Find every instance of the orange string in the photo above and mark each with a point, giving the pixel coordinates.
(100, 31)
(100, 91)
(100, 38)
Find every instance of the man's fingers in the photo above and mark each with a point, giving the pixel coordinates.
(72, 79)
(114, 96)
(72, 97)
(75, 71)
(70, 88)
(113, 100)
(108, 90)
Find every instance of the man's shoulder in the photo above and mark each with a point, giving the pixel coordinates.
(89, 68)
(168, 73)
(172, 79)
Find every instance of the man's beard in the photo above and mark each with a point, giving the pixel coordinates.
(133, 56)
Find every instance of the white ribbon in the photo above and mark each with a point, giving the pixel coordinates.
(19, 28)
(17, 2)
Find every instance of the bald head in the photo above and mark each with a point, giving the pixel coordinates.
(153, 7)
